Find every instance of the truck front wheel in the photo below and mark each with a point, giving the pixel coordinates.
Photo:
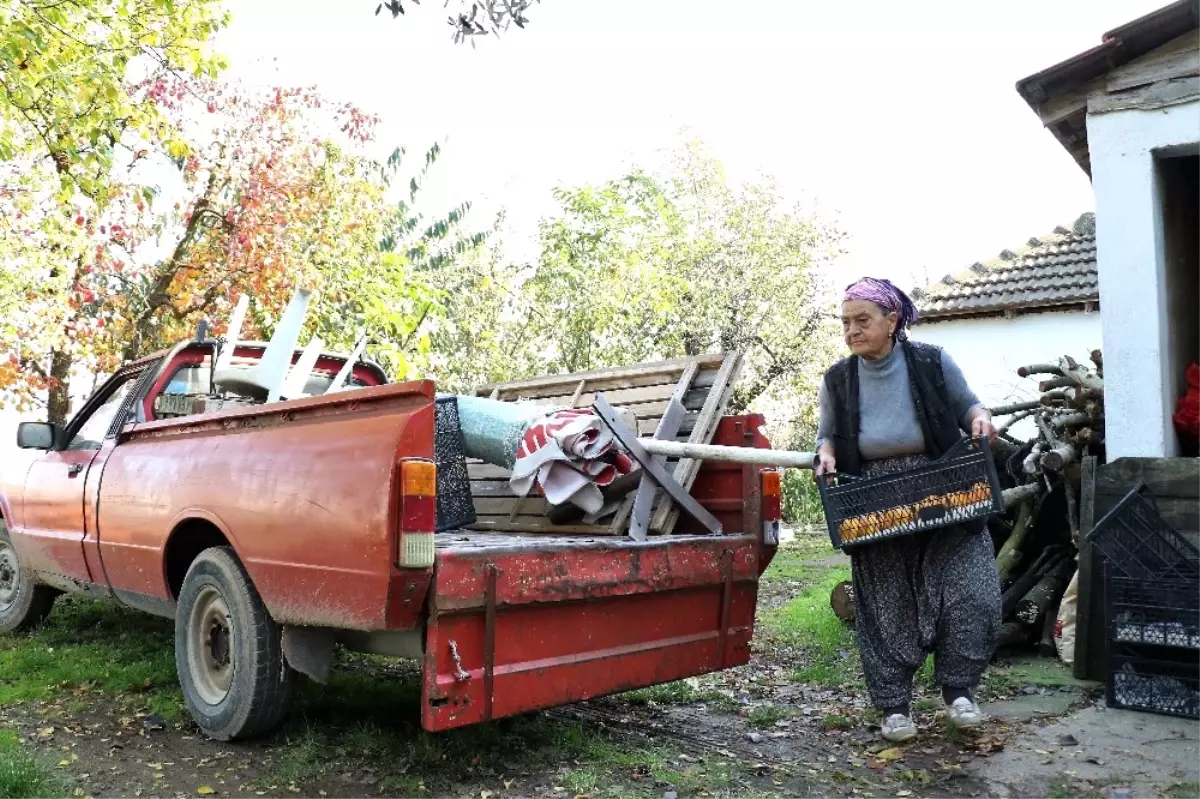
(23, 603)
(229, 651)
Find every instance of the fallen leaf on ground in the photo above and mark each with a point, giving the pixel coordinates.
(204, 790)
(888, 755)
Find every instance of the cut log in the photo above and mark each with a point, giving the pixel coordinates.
(1015, 496)
(1013, 635)
(1047, 590)
(1063, 421)
(1003, 429)
(1059, 456)
(1080, 374)
(1016, 407)
(1047, 647)
(1052, 397)
(1010, 553)
(1046, 562)
(1040, 369)
(1057, 382)
(1033, 459)
(841, 599)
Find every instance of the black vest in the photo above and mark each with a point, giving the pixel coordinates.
(938, 423)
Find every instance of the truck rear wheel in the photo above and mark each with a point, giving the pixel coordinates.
(229, 651)
(23, 603)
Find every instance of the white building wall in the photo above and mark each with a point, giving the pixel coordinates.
(1131, 257)
(990, 350)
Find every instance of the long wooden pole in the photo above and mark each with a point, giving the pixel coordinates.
(786, 459)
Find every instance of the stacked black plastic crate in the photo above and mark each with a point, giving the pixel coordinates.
(1152, 609)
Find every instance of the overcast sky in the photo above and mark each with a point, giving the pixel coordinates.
(900, 117)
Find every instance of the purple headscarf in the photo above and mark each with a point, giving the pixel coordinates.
(887, 297)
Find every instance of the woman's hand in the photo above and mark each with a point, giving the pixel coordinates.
(982, 425)
(826, 463)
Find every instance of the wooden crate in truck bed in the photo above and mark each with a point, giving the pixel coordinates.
(703, 384)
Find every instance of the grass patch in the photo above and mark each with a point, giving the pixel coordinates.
(89, 645)
(807, 624)
(765, 716)
(1042, 672)
(927, 704)
(836, 722)
(366, 721)
(1183, 790)
(792, 560)
(680, 692)
(24, 775)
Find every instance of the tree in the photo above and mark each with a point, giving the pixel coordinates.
(660, 266)
(266, 200)
(64, 96)
(474, 17)
(480, 335)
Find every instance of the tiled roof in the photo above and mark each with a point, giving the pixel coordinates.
(1058, 269)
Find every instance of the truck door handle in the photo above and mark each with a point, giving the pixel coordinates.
(73, 469)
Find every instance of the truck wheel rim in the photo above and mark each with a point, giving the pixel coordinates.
(210, 645)
(10, 576)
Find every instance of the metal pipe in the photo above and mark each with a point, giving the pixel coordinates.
(786, 459)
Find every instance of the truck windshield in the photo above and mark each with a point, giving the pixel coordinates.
(193, 379)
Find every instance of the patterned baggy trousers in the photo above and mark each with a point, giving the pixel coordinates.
(934, 591)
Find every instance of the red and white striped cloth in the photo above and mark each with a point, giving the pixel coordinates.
(570, 455)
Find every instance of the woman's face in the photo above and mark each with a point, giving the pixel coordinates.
(867, 328)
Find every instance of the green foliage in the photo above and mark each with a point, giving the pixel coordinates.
(652, 266)
(472, 17)
(808, 624)
(24, 775)
(63, 71)
(801, 499)
(87, 646)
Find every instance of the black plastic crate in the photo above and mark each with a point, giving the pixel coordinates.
(454, 506)
(1158, 612)
(959, 486)
(1169, 688)
(1136, 542)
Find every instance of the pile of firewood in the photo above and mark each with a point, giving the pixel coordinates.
(1037, 537)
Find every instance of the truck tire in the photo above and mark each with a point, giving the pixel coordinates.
(229, 651)
(23, 603)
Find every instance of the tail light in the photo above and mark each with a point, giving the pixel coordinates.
(772, 506)
(418, 513)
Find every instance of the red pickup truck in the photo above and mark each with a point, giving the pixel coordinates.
(273, 532)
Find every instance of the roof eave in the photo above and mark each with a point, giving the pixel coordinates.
(1118, 46)
(1002, 310)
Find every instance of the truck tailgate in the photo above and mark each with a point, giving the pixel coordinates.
(519, 623)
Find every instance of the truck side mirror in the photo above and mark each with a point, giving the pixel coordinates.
(36, 435)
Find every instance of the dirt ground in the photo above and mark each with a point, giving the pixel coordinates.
(91, 702)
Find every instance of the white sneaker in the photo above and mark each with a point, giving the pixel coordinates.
(965, 713)
(898, 728)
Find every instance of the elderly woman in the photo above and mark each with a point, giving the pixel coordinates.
(893, 405)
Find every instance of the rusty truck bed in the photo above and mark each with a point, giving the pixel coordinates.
(520, 622)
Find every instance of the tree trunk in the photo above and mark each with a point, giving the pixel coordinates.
(59, 401)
